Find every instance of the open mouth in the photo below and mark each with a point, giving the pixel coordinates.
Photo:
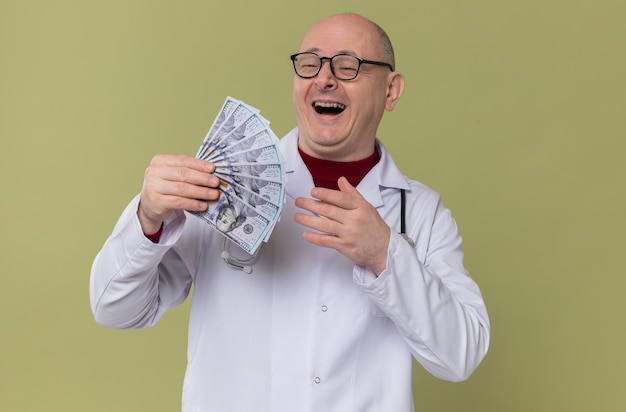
(328, 107)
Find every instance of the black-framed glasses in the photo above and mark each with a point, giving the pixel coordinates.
(343, 66)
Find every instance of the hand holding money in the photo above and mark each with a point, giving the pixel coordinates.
(243, 153)
(175, 182)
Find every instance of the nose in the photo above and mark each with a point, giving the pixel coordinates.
(325, 79)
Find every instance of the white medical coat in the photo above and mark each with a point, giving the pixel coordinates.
(308, 330)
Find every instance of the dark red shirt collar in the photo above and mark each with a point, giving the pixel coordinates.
(326, 172)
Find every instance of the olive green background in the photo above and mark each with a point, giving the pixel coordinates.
(513, 110)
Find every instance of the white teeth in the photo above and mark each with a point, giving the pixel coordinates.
(330, 105)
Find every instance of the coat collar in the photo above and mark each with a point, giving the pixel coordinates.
(300, 182)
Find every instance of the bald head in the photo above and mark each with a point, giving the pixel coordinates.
(377, 39)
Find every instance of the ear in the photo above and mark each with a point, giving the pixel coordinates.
(394, 90)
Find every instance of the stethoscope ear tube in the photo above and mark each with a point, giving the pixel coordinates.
(403, 218)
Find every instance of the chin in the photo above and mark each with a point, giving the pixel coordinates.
(327, 139)
(328, 133)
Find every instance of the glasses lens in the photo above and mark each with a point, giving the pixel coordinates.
(345, 67)
(307, 64)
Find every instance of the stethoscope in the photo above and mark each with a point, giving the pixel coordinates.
(245, 265)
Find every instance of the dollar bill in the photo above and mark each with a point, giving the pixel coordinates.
(252, 175)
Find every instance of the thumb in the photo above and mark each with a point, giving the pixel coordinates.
(347, 188)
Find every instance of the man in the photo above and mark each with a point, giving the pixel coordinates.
(339, 302)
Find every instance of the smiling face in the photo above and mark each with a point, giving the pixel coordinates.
(338, 119)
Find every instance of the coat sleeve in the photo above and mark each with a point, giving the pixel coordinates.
(428, 294)
(134, 281)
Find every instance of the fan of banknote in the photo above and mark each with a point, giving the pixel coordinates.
(251, 170)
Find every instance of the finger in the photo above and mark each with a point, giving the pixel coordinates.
(317, 223)
(322, 239)
(158, 187)
(183, 161)
(347, 197)
(189, 191)
(180, 174)
(332, 197)
(326, 211)
(346, 187)
(184, 203)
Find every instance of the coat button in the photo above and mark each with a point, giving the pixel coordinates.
(324, 308)
(317, 379)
